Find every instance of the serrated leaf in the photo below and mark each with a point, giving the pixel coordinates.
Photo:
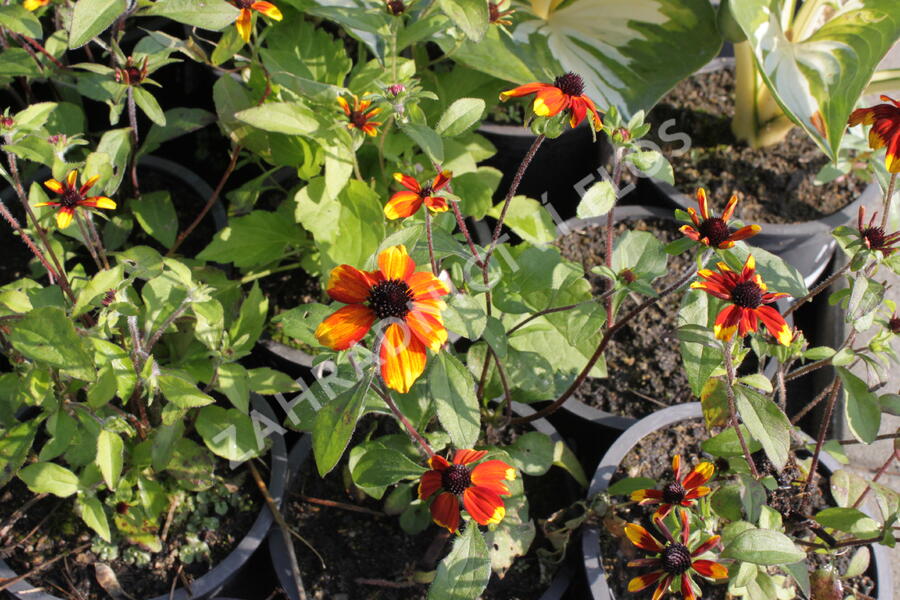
(766, 423)
(861, 407)
(91, 18)
(110, 456)
(763, 547)
(229, 433)
(335, 423)
(463, 114)
(156, 215)
(207, 14)
(597, 200)
(49, 478)
(182, 393)
(290, 118)
(464, 573)
(15, 444)
(453, 391)
(47, 335)
(379, 467)
(91, 511)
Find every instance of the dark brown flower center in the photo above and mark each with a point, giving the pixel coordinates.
(396, 7)
(426, 191)
(456, 478)
(358, 118)
(894, 324)
(747, 294)
(676, 559)
(874, 237)
(390, 298)
(674, 493)
(715, 230)
(570, 84)
(70, 197)
(244, 3)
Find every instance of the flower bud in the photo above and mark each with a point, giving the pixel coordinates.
(396, 89)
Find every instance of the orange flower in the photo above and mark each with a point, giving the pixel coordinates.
(885, 122)
(480, 487)
(405, 203)
(409, 300)
(682, 491)
(72, 197)
(34, 4)
(359, 116)
(675, 559)
(748, 295)
(714, 231)
(566, 93)
(244, 21)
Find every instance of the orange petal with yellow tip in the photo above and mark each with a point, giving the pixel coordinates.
(642, 582)
(699, 475)
(549, 102)
(523, 90)
(441, 180)
(54, 186)
(343, 103)
(484, 505)
(424, 285)
(402, 204)
(707, 545)
(34, 4)
(370, 129)
(492, 474)
(402, 358)
(349, 285)
(98, 202)
(438, 463)
(710, 568)
(687, 589)
(676, 466)
(428, 329)
(436, 204)
(408, 182)
(345, 327)
(727, 322)
(662, 587)
(268, 9)
(88, 184)
(64, 217)
(749, 267)
(776, 324)
(39, 204)
(445, 511)
(697, 492)
(465, 457)
(646, 496)
(641, 538)
(395, 263)
(430, 482)
(72, 178)
(729, 208)
(702, 203)
(745, 232)
(244, 24)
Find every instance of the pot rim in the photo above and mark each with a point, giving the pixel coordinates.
(590, 539)
(216, 578)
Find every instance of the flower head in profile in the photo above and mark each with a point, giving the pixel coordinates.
(873, 236)
(499, 11)
(408, 301)
(72, 197)
(244, 22)
(675, 560)
(360, 115)
(406, 203)
(566, 94)
(33, 5)
(480, 488)
(682, 491)
(885, 131)
(131, 73)
(748, 298)
(714, 231)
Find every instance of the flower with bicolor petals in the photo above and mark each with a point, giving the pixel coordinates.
(406, 202)
(33, 5)
(675, 560)
(409, 303)
(480, 488)
(749, 298)
(714, 231)
(680, 492)
(360, 115)
(873, 236)
(566, 94)
(244, 21)
(885, 131)
(72, 197)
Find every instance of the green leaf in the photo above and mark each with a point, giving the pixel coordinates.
(726, 443)
(597, 200)
(849, 520)
(206, 14)
(846, 487)
(861, 408)
(246, 330)
(529, 219)
(46, 335)
(384, 466)
(268, 381)
(766, 423)
(464, 573)
(291, 118)
(460, 116)
(301, 321)
(652, 164)
(465, 315)
(90, 18)
(110, 455)
(531, 453)
(156, 215)
(164, 444)
(426, 138)
(624, 487)
(229, 433)
(254, 240)
(15, 18)
(148, 104)
(15, 443)
(192, 466)
(700, 358)
(91, 511)
(182, 393)
(49, 478)
(453, 391)
(336, 422)
(763, 547)
(471, 16)
(179, 121)
(859, 562)
(564, 458)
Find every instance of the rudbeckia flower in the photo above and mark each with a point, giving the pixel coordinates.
(714, 231)
(360, 117)
(566, 94)
(748, 296)
(244, 21)
(681, 492)
(873, 237)
(409, 300)
(72, 197)
(675, 560)
(480, 488)
(34, 4)
(885, 122)
(405, 203)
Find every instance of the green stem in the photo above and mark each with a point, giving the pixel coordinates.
(251, 277)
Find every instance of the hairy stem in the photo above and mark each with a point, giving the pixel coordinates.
(823, 429)
(887, 200)
(817, 290)
(732, 409)
(430, 238)
(416, 436)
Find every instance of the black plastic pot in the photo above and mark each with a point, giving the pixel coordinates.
(300, 453)
(219, 576)
(590, 539)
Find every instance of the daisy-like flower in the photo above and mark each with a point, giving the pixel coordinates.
(885, 131)
(244, 21)
(714, 231)
(131, 73)
(480, 487)
(359, 116)
(406, 202)
(72, 197)
(408, 300)
(33, 5)
(566, 94)
(748, 296)
(675, 560)
(681, 492)
(873, 236)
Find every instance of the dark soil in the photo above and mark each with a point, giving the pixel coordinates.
(40, 540)
(652, 457)
(644, 360)
(775, 184)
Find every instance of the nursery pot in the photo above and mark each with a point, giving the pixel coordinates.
(300, 453)
(590, 539)
(220, 575)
